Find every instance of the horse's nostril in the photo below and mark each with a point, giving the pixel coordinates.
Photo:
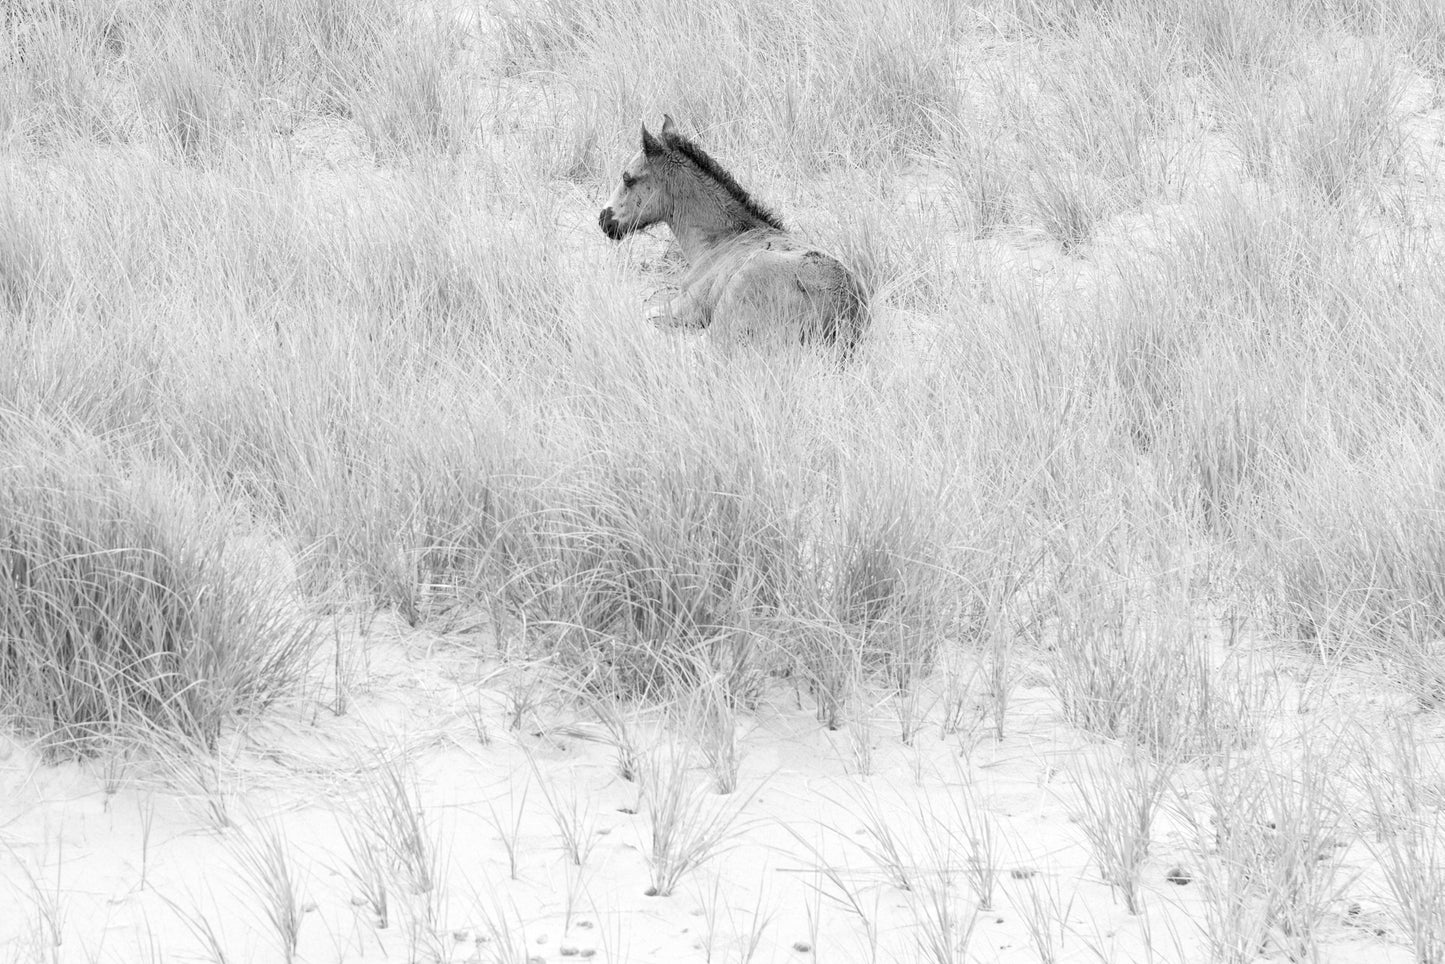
(609, 225)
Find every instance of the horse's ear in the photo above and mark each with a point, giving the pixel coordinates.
(651, 146)
(669, 129)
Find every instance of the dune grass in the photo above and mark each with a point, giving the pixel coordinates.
(124, 608)
(405, 369)
(1156, 338)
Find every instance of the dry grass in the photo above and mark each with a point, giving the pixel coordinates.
(301, 301)
(687, 826)
(1272, 853)
(268, 865)
(124, 608)
(1409, 840)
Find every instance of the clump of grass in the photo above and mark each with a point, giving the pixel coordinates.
(505, 932)
(885, 842)
(961, 707)
(1045, 18)
(1117, 814)
(197, 771)
(1069, 202)
(900, 74)
(47, 900)
(1113, 103)
(748, 933)
(862, 732)
(1145, 677)
(884, 241)
(1409, 842)
(264, 855)
(843, 890)
(1252, 111)
(1045, 914)
(1346, 134)
(976, 830)
(1001, 669)
(623, 732)
(832, 666)
(371, 873)
(959, 841)
(437, 281)
(944, 930)
(1197, 410)
(687, 827)
(421, 522)
(201, 927)
(876, 592)
(510, 831)
(123, 606)
(1230, 419)
(366, 60)
(922, 845)
(398, 73)
(660, 567)
(526, 692)
(1272, 853)
(572, 814)
(1353, 571)
(713, 718)
(1269, 256)
(707, 560)
(388, 811)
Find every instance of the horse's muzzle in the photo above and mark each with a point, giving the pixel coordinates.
(609, 225)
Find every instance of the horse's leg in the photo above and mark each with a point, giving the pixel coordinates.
(683, 311)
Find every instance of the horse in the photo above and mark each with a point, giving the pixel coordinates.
(749, 279)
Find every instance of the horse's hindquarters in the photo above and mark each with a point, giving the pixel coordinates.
(776, 298)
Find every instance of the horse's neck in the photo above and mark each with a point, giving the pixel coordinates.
(701, 242)
(709, 223)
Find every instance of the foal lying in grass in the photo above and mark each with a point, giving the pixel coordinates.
(749, 280)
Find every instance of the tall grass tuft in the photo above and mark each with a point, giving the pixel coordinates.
(1409, 841)
(1148, 677)
(123, 604)
(265, 858)
(1117, 813)
(688, 827)
(1355, 570)
(1272, 849)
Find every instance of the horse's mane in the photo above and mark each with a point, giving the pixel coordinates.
(704, 162)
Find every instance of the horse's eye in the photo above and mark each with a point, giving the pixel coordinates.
(628, 180)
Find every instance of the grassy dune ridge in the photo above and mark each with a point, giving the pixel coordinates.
(304, 316)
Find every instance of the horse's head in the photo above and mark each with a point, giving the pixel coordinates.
(643, 198)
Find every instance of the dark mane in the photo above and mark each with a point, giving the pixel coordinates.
(704, 162)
